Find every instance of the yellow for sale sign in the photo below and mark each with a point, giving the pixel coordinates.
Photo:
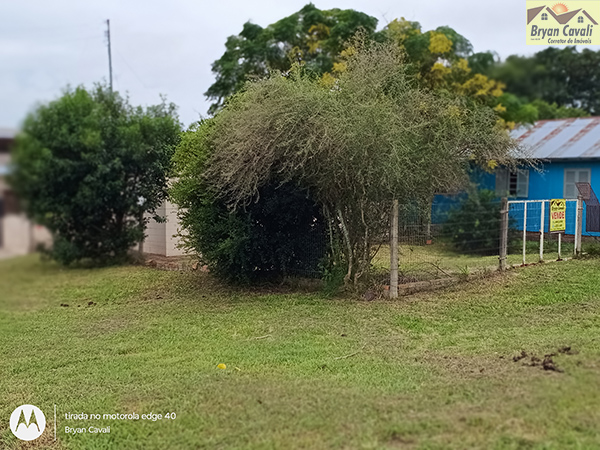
(558, 215)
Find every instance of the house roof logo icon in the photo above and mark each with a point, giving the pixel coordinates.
(562, 15)
(27, 422)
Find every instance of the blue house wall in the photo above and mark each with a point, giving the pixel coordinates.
(548, 184)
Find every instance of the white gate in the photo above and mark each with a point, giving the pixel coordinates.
(531, 217)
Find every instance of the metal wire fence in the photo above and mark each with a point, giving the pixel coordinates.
(449, 239)
(444, 240)
(532, 240)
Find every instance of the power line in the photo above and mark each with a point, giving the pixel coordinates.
(134, 73)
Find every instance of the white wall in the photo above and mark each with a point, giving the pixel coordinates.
(20, 236)
(160, 237)
(155, 241)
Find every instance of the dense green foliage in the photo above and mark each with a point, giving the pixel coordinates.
(282, 233)
(313, 36)
(565, 77)
(89, 165)
(474, 225)
(373, 136)
(552, 84)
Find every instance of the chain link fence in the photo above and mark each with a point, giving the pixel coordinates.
(460, 237)
(444, 240)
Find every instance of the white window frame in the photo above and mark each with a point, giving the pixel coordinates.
(503, 183)
(577, 171)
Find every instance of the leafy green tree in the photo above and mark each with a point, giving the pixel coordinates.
(315, 37)
(565, 77)
(444, 59)
(425, 49)
(89, 165)
(548, 111)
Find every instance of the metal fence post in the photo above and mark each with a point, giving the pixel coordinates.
(503, 232)
(543, 204)
(578, 230)
(394, 251)
(524, 232)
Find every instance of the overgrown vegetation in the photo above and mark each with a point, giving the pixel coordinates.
(89, 165)
(474, 225)
(552, 84)
(282, 232)
(354, 147)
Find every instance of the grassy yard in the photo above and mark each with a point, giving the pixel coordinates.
(432, 371)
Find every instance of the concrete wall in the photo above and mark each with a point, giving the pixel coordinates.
(161, 237)
(172, 230)
(4, 159)
(155, 241)
(20, 236)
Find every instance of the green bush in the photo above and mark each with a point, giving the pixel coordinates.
(89, 165)
(591, 249)
(474, 226)
(281, 233)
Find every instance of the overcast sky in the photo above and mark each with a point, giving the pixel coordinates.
(167, 47)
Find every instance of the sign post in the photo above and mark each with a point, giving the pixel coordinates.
(558, 220)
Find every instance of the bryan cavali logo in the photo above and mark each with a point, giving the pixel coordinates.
(563, 23)
(27, 422)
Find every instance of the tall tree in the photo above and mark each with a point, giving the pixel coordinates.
(565, 77)
(89, 165)
(313, 36)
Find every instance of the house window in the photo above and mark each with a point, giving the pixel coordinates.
(573, 176)
(580, 19)
(512, 183)
(544, 16)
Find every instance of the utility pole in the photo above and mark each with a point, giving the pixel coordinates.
(109, 54)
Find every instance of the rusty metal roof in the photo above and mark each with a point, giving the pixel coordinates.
(561, 138)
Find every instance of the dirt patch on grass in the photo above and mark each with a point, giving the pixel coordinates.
(173, 263)
(462, 366)
(398, 440)
(496, 365)
(546, 362)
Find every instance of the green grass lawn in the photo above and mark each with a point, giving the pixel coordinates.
(432, 371)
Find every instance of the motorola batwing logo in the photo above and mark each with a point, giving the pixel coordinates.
(27, 422)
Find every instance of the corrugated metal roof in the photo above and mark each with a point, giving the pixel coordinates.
(561, 139)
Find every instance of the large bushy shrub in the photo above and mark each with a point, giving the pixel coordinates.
(356, 143)
(282, 232)
(89, 165)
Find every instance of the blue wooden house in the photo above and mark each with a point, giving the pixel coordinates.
(569, 150)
